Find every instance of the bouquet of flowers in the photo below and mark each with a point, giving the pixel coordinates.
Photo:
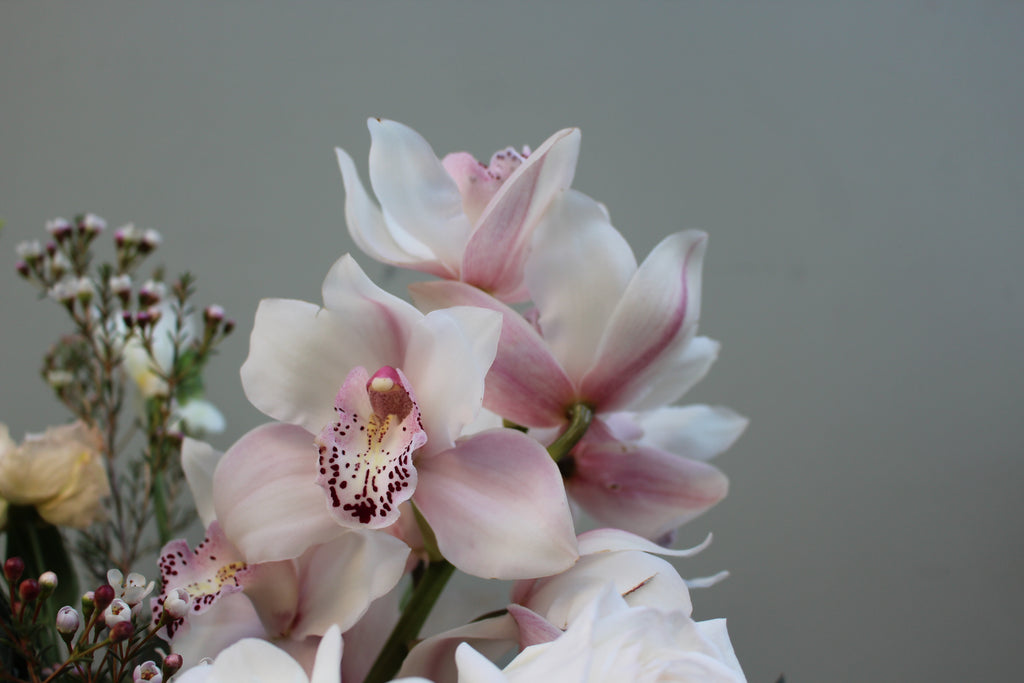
(527, 387)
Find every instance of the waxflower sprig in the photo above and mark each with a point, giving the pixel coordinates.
(111, 638)
(130, 370)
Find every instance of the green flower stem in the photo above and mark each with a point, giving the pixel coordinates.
(409, 624)
(163, 526)
(580, 416)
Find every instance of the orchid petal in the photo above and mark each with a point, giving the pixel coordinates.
(683, 364)
(434, 658)
(497, 249)
(447, 359)
(642, 489)
(533, 628)
(252, 659)
(273, 589)
(365, 453)
(475, 668)
(348, 291)
(618, 540)
(698, 432)
(576, 274)
(497, 506)
(657, 313)
(340, 579)
(371, 233)
(327, 666)
(266, 497)
(199, 461)
(206, 635)
(415, 191)
(525, 384)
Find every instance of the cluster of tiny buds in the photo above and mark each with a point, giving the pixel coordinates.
(28, 590)
(215, 322)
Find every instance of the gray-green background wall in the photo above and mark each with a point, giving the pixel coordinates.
(860, 170)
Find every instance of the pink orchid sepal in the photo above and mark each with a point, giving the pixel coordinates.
(456, 218)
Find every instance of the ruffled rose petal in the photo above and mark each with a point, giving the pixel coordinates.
(497, 506)
(642, 489)
(497, 249)
(447, 359)
(698, 432)
(525, 384)
(266, 497)
(416, 193)
(365, 453)
(577, 272)
(341, 578)
(657, 313)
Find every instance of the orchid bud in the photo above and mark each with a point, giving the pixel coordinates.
(172, 663)
(102, 597)
(28, 590)
(121, 631)
(68, 620)
(14, 567)
(116, 612)
(147, 671)
(176, 603)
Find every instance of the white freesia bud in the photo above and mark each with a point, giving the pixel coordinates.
(117, 612)
(176, 604)
(60, 472)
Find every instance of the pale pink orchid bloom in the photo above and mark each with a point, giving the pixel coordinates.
(616, 337)
(611, 641)
(375, 397)
(455, 218)
(541, 609)
(289, 602)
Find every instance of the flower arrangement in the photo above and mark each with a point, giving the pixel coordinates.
(531, 380)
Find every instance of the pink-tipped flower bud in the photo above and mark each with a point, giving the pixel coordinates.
(47, 584)
(213, 314)
(127, 234)
(121, 286)
(68, 620)
(229, 325)
(151, 239)
(147, 672)
(60, 228)
(28, 590)
(14, 567)
(117, 611)
(103, 596)
(23, 269)
(91, 224)
(51, 248)
(121, 631)
(151, 292)
(176, 603)
(172, 663)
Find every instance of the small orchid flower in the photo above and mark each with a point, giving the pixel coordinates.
(455, 218)
(378, 395)
(607, 336)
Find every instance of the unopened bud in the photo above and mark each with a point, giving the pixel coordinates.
(60, 228)
(84, 289)
(68, 620)
(47, 583)
(229, 325)
(64, 291)
(121, 286)
(28, 590)
(51, 248)
(147, 672)
(126, 234)
(151, 239)
(213, 314)
(172, 663)
(23, 268)
(103, 596)
(121, 631)
(91, 224)
(151, 293)
(176, 603)
(14, 567)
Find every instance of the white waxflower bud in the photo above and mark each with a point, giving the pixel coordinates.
(68, 620)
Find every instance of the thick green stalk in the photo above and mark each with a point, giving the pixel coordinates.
(580, 417)
(409, 624)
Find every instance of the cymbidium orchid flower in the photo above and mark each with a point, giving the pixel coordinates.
(541, 609)
(289, 602)
(377, 396)
(606, 336)
(455, 218)
(612, 641)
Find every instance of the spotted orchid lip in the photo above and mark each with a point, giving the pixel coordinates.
(365, 455)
